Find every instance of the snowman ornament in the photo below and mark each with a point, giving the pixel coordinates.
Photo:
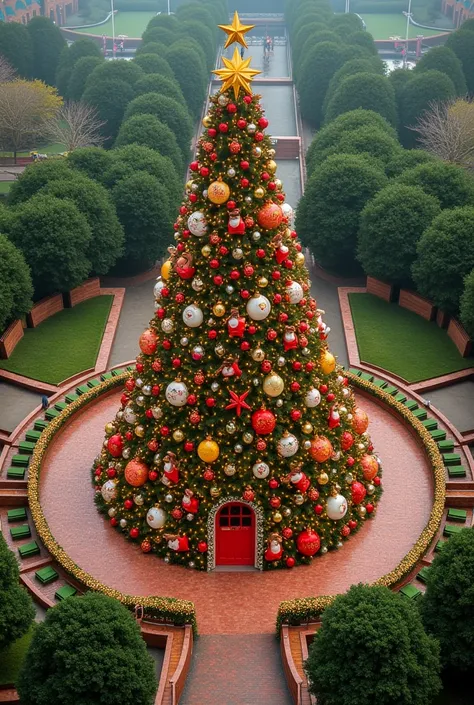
(197, 224)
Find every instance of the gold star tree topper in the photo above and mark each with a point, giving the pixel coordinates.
(237, 74)
(236, 31)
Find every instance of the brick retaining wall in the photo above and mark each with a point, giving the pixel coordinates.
(88, 290)
(379, 288)
(287, 147)
(10, 338)
(442, 318)
(417, 304)
(44, 309)
(459, 337)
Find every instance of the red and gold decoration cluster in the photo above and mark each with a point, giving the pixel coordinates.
(235, 392)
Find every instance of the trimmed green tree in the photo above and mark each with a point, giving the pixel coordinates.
(16, 288)
(158, 35)
(79, 75)
(36, 176)
(157, 83)
(350, 68)
(399, 78)
(466, 307)
(452, 185)
(418, 93)
(331, 134)
(346, 24)
(151, 48)
(390, 226)
(369, 142)
(303, 35)
(127, 71)
(92, 200)
(68, 58)
(204, 37)
(189, 73)
(16, 607)
(364, 90)
(144, 210)
(47, 43)
(169, 112)
(195, 11)
(323, 35)
(317, 69)
(16, 47)
(363, 39)
(148, 131)
(110, 99)
(153, 63)
(447, 608)
(372, 648)
(91, 161)
(88, 650)
(54, 238)
(134, 158)
(407, 159)
(445, 60)
(461, 44)
(327, 219)
(445, 256)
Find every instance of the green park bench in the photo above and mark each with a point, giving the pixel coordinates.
(446, 446)
(82, 389)
(105, 376)
(64, 592)
(400, 397)
(40, 424)
(438, 435)
(16, 473)
(353, 371)
(17, 514)
(29, 549)
(410, 591)
(20, 532)
(380, 383)
(391, 390)
(33, 436)
(368, 377)
(71, 397)
(455, 471)
(451, 529)
(440, 546)
(420, 414)
(21, 460)
(430, 425)
(411, 404)
(51, 414)
(452, 459)
(26, 447)
(93, 383)
(457, 515)
(46, 575)
(60, 406)
(423, 574)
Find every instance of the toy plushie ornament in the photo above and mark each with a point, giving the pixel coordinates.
(236, 406)
(236, 225)
(274, 547)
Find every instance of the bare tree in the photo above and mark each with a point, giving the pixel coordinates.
(76, 124)
(447, 130)
(7, 72)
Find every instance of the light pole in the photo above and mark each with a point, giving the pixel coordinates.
(169, 13)
(408, 14)
(113, 28)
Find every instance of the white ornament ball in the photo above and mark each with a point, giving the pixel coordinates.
(256, 236)
(230, 469)
(129, 415)
(258, 307)
(138, 499)
(231, 172)
(312, 398)
(336, 507)
(123, 523)
(109, 491)
(157, 289)
(126, 453)
(237, 253)
(287, 445)
(287, 211)
(157, 412)
(112, 512)
(156, 517)
(197, 224)
(146, 389)
(193, 316)
(197, 284)
(294, 292)
(184, 341)
(176, 393)
(261, 470)
(168, 498)
(167, 325)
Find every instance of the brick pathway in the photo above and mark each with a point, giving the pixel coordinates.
(236, 670)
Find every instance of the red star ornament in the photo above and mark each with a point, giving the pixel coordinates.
(238, 403)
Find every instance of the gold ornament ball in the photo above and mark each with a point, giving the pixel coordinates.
(299, 499)
(207, 121)
(218, 309)
(262, 282)
(271, 166)
(166, 269)
(139, 431)
(215, 492)
(247, 437)
(259, 192)
(208, 450)
(323, 478)
(307, 428)
(273, 385)
(299, 259)
(286, 511)
(189, 184)
(206, 251)
(277, 517)
(271, 152)
(178, 436)
(258, 355)
(362, 511)
(218, 192)
(327, 362)
(109, 428)
(278, 184)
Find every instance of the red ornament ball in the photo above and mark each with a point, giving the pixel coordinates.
(208, 475)
(202, 547)
(248, 494)
(261, 445)
(321, 449)
(244, 164)
(111, 472)
(370, 467)
(360, 421)
(177, 514)
(247, 99)
(241, 123)
(152, 475)
(189, 446)
(318, 509)
(290, 562)
(347, 440)
(134, 533)
(263, 422)
(235, 147)
(287, 532)
(370, 508)
(194, 166)
(275, 502)
(128, 504)
(146, 546)
(148, 342)
(223, 127)
(270, 216)
(273, 483)
(308, 542)
(358, 492)
(263, 123)
(115, 445)
(136, 472)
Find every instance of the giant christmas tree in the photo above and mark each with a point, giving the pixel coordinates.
(238, 440)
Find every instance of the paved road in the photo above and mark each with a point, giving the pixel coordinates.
(15, 404)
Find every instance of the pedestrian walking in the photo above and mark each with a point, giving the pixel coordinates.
(44, 402)
(242, 51)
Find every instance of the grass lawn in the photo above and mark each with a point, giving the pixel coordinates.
(383, 26)
(131, 24)
(63, 345)
(5, 186)
(402, 342)
(12, 658)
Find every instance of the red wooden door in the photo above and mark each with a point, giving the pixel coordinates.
(235, 535)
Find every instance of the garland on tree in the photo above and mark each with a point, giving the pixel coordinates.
(235, 392)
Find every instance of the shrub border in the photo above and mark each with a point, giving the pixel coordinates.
(307, 609)
(170, 609)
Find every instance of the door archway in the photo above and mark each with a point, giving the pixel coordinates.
(235, 535)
